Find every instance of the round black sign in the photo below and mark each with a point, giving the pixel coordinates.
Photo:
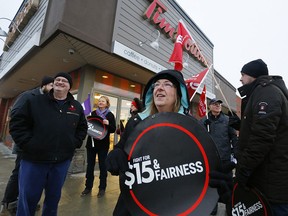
(96, 128)
(249, 202)
(170, 156)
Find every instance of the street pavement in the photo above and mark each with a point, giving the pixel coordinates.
(71, 203)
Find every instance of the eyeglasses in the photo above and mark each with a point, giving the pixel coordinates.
(165, 85)
(61, 80)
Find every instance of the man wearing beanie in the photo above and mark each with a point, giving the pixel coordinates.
(67, 77)
(47, 81)
(263, 149)
(9, 201)
(47, 128)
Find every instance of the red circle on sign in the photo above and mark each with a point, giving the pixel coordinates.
(201, 196)
(97, 123)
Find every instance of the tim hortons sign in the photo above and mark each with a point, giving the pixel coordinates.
(154, 12)
(20, 21)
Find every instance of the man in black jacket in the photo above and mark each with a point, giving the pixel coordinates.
(47, 128)
(9, 201)
(263, 149)
(217, 125)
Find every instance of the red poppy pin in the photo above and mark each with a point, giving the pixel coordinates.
(71, 108)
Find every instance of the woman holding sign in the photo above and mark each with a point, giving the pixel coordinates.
(164, 93)
(100, 147)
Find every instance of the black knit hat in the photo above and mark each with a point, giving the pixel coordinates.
(65, 75)
(255, 68)
(46, 80)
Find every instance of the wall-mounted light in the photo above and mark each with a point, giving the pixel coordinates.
(4, 34)
(154, 37)
(8, 46)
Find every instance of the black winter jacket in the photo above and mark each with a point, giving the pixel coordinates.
(105, 142)
(223, 135)
(46, 131)
(263, 142)
(19, 102)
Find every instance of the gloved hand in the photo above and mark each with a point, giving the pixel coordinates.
(117, 161)
(234, 120)
(207, 122)
(242, 177)
(222, 180)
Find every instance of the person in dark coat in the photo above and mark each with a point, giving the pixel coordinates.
(48, 128)
(9, 201)
(169, 83)
(165, 92)
(217, 125)
(263, 148)
(100, 147)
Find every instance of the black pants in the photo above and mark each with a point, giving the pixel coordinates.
(12, 190)
(91, 157)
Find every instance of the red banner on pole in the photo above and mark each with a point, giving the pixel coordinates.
(177, 54)
(202, 109)
(194, 82)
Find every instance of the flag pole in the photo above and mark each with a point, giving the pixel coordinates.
(208, 126)
(217, 84)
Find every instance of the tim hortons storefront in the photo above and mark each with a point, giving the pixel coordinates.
(105, 45)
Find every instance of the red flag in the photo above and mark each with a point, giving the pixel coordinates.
(202, 109)
(194, 82)
(177, 54)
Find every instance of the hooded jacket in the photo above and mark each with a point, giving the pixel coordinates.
(263, 147)
(148, 98)
(177, 78)
(46, 131)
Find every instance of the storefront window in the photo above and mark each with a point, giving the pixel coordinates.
(116, 85)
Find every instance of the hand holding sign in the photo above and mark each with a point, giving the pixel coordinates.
(96, 128)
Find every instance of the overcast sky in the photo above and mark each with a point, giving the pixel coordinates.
(241, 31)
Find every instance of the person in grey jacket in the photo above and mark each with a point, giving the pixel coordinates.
(48, 128)
(9, 201)
(217, 124)
(263, 147)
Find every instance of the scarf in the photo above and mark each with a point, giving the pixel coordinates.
(102, 113)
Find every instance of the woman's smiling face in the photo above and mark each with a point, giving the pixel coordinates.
(164, 95)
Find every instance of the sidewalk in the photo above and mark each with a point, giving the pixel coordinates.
(71, 203)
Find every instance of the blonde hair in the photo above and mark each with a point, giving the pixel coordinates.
(107, 100)
(176, 106)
